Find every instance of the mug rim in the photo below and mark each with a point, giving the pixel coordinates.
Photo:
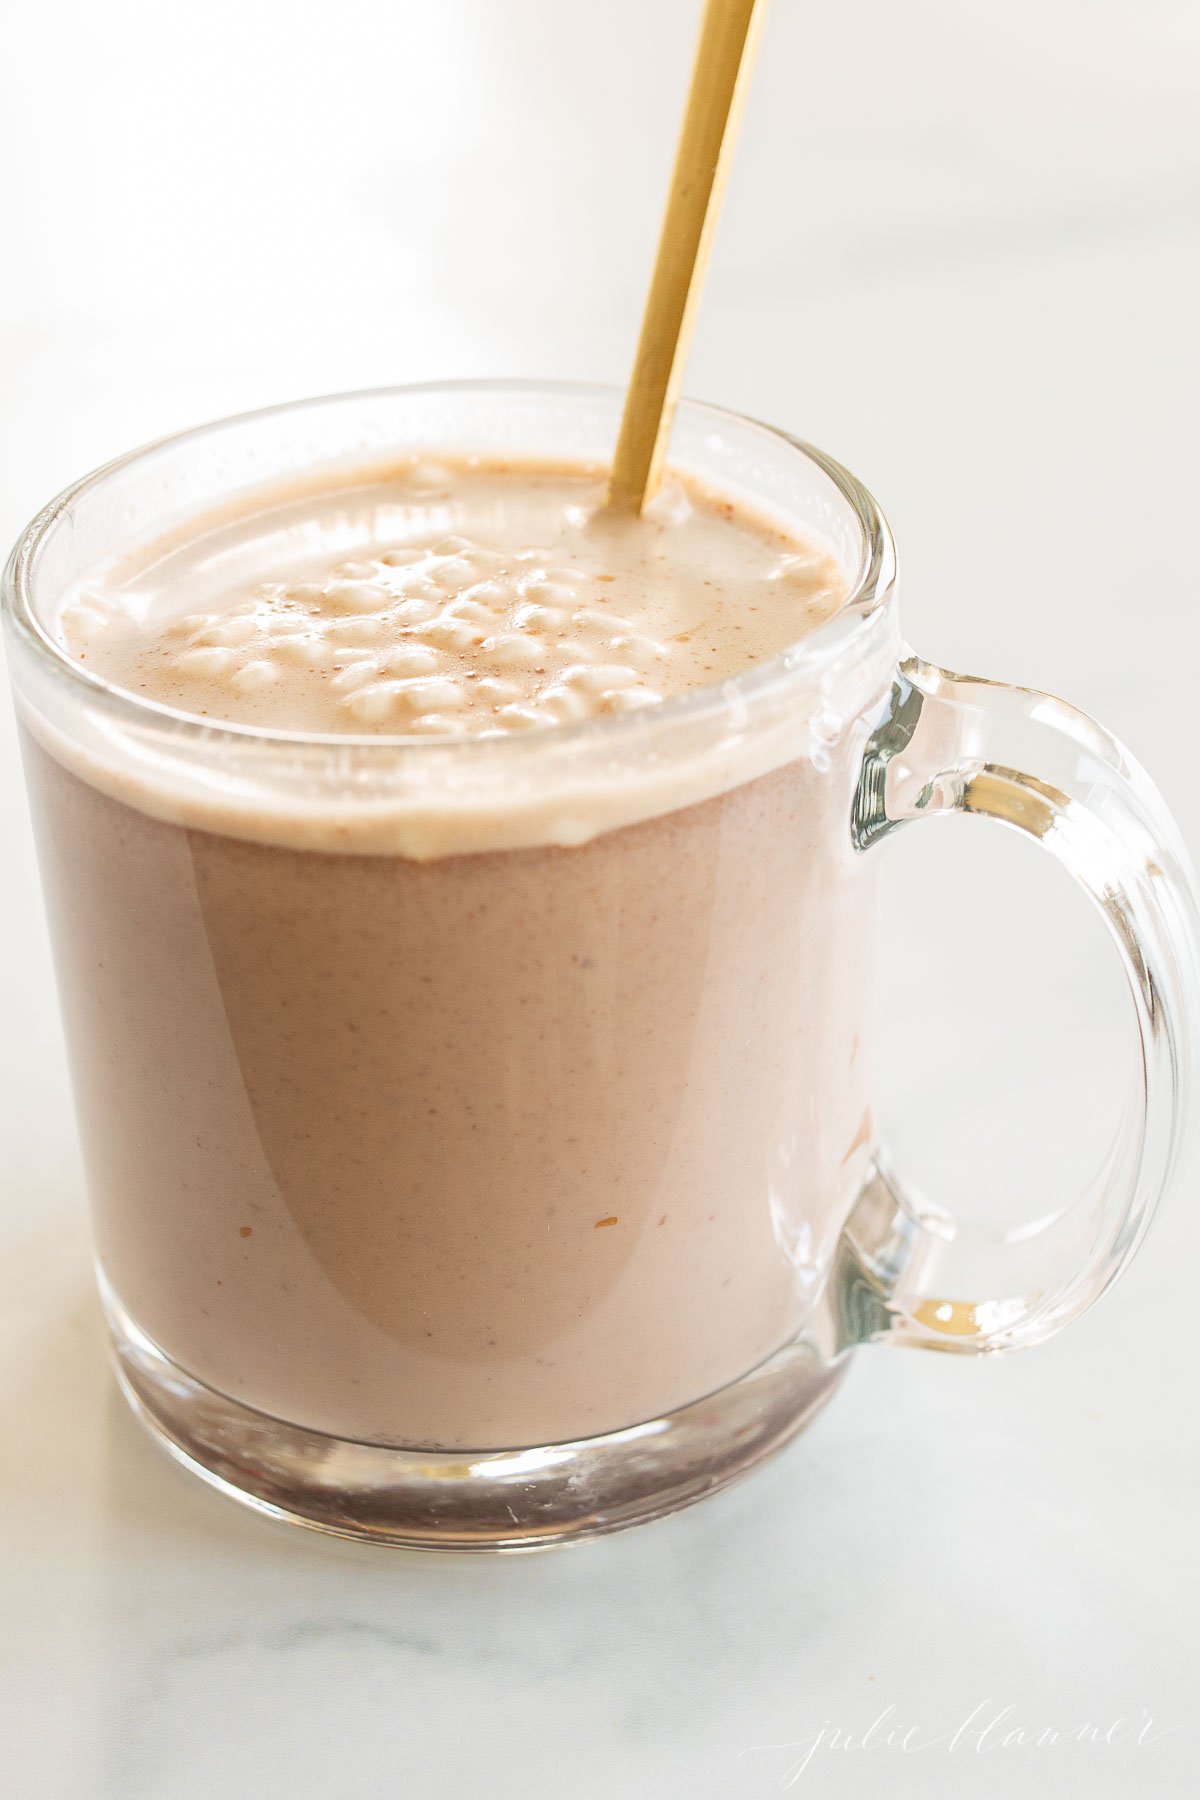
(870, 597)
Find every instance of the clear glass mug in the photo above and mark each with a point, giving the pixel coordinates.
(496, 1198)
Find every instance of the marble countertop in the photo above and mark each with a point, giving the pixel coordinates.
(961, 252)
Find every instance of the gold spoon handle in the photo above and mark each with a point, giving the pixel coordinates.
(720, 78)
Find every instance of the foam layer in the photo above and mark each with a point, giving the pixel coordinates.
(475, 600)
(414, 612)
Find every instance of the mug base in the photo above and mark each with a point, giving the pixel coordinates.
(521, 1499)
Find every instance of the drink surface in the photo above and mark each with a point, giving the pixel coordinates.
(450, 600)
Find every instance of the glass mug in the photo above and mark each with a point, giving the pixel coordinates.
(497, 1198)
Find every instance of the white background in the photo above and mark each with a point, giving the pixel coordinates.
(961, 251)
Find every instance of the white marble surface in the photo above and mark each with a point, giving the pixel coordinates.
(961, 251)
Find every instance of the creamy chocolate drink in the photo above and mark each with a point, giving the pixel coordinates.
(498, 1111)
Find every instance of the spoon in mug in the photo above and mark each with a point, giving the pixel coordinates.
(720, 78)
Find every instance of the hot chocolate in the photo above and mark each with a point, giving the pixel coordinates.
(450, 1123)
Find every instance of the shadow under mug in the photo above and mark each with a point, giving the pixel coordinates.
(497, 1198)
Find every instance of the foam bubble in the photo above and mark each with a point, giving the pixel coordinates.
(253, 676)
(204, 661)
(512, 650)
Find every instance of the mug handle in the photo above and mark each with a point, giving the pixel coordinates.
(953, 744)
